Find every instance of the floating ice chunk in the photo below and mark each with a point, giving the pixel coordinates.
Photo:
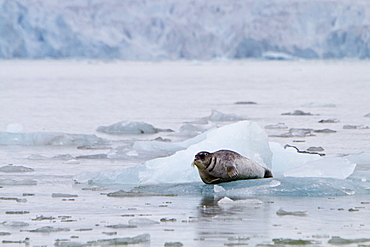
(367, 115)
(360, 159)
(313, 104)
(127, 127)
(173, 244)
(330, 167)
(297, 113)
(5, 181)
(287, 159)
(276, 126)
(336, 240)
(119, 226)
(227, 201)
(10, 168)
(244, 137)
(218, 189)
(143, 238)
(71, 162)
(69, 244)
(48, 229)
(355, 127)
(13, 199)
(15, 223)
(219, 116)
(49, 138)
(63, 195)
(142, 221)
(14, 127)
(294, 213)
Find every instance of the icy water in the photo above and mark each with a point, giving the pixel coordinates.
(41, 205)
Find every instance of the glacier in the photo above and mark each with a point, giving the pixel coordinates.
(169, 29)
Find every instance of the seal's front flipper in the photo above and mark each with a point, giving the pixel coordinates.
(216, 181)
(232, 171)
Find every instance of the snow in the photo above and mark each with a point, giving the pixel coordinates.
(161, 30)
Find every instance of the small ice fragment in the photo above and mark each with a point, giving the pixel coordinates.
(173, 244)
(143, 238)
(276, 126)
(329, 121)
(10, 168)
(17, 212)
(355, 127)
(142, 221)
(294, 213)
(5, 233)
(297, 113)
(41, 217)
(132, 153)
(93, 156)
(325, 131)
(15, 223)
(341, 241)
(315, 149)
(69, 244)
(13, 198)
(219, 116)
(288, 241)
(228, 201)
(245, 103)
(127, 127)
(217, 188)
(48, 229)
(14, 127)
(118, 226)
(367, 115)
(63, 195)
(168, 220)
(71, 162)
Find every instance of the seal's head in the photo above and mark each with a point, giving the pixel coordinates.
(202, 160)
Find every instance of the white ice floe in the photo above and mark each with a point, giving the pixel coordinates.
(330, 167)
(49, 138)
(244, 137)
(128, 127)
(226, 201)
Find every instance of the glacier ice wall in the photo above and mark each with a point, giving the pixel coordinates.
(170, 29)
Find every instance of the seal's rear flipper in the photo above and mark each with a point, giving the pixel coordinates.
(268, 173)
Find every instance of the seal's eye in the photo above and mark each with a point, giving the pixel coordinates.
(202, 155)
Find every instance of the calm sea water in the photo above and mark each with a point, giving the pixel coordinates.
(78, 96)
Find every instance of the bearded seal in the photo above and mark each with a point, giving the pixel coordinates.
(226, 166)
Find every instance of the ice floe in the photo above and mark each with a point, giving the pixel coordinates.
(128, 127)
(173, 175)
(244, 137)
(219, 116)
(11, 168)
(333, 167)
(49, 138)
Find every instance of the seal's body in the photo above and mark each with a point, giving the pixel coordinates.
(226, 166)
